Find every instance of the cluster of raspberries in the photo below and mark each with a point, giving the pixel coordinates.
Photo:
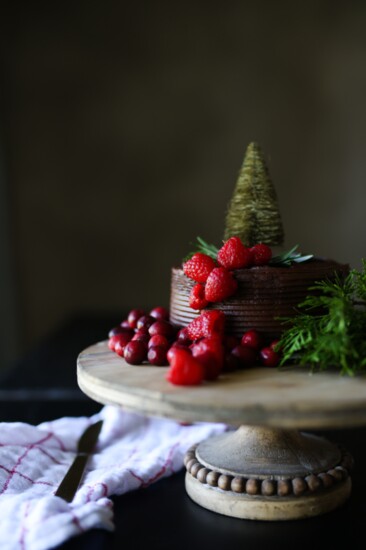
(215, 280)
(203, 351)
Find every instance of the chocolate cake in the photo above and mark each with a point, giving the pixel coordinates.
(264, 294)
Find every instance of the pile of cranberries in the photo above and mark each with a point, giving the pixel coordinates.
(150, 337)
(144, 337)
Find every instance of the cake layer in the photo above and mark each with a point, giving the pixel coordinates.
(264, 294)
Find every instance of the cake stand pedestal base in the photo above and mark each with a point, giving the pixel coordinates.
(268, 474)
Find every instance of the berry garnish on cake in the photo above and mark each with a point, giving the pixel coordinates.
(228, 303)
(198, 267)
(251, 285)
(234, 255)
(197, 353)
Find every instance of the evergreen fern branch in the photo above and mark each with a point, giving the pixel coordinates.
(336, 337)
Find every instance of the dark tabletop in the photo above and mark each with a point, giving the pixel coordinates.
(43, 386)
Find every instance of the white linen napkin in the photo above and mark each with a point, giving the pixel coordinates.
(133, 451)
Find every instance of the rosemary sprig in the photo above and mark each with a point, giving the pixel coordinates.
(288, 258)
(206, 248)
(335, 336)
(285, 259)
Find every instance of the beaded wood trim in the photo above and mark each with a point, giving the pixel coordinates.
(296, 486)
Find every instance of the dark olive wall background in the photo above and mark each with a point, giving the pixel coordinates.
(124, 126)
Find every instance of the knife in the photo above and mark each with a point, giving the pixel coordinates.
(74, 475)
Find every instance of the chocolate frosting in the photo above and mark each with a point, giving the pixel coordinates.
(264, 294)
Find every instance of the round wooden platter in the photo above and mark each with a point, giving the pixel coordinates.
(288, 397)
(265, 470)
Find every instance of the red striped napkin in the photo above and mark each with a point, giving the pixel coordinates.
(133, 451)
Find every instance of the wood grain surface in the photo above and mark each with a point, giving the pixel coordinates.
(289, 397)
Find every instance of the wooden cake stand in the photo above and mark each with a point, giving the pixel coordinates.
(266, 469)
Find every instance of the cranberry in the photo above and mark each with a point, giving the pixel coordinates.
(112, 342)
(231, 363)
(162, 327)
(210, 353)
(252, 339)
(212, 365)
(160, 313)
(269, 357)
(230, 342)
(141, 336)
(247, 356)
(183, 337)
(125, 324)
(119, 348)
(135, 352)
(123, 338)
(120, 330)
(115, 330)
(273, 345)
(157, 356)
(134, 316)
(145, 322)
(158, 340)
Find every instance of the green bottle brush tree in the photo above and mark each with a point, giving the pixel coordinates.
(253, 213)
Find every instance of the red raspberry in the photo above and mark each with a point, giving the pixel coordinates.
(269, 357)
(247, 356)
(184, 370)
(220, 285)
(252, 339)
(209, 323)
(171, 350)
(261, 254)
(234, 255)
(199, 267)
(210, 353)
(197, 298)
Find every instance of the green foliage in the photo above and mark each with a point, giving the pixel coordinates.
(359, 278)
(282, 260)
(206, 248)
(331, 329)
(288, 258)
(253, 213)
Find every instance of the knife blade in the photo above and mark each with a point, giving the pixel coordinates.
(71, 481)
